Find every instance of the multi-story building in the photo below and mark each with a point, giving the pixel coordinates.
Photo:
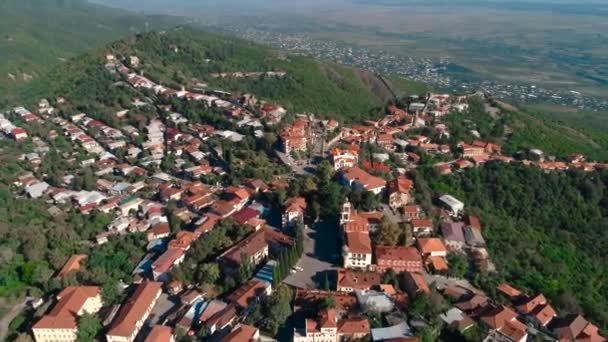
(60, 324)
(399, 192)
(132, 315)
(344, 158)
(398, 258)
(295, 208)
(329, 328)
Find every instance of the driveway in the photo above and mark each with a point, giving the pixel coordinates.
(320, 257)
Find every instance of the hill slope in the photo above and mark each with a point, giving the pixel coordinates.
(39, 34)
(309, 85)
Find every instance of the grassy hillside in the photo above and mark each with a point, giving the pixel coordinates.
(37, 35)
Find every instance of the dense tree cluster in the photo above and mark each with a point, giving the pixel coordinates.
(545, 230)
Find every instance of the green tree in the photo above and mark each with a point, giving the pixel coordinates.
(389, 232)
(88, 327)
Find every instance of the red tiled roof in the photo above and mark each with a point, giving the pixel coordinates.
(73, 264)
(159, 333)
(134, 309)
(249, 246)
(358, 243)
(244, 295)
(242, 333)
(358, 280)
(64, 313)
(430, 245)
(508, 290)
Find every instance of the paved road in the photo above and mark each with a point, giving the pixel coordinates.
(320, 257)
(8, 318)
(297, 169)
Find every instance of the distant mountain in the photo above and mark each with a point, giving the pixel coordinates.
(36, 35)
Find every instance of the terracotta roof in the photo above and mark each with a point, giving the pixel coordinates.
(496, 317)
(354, 325)
(358, 243)
(312, 299)
(244, 295)
(327, 319)
(530, 304)
(400, 184)
(249, 246)
(182, 240)
(358, 280)
(212, 308)
(438, 263)
(134, 309)
(419, 282)
(422, 223)
(242, 333)
(473, 303)
(544, 314)
(223, 317)
(508, 290)
(64, 313)
(368, 181)
(576, 328)
(73, 264)
(159, 333)
(430, 245)
(166, 260)
(397, 253)
(295, 204)
(473, 221)
(244, 215)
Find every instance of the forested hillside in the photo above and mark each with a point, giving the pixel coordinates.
(37, 35)
(545, 231)
(188, 57)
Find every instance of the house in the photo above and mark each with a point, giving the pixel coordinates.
(351, 280)
(60, 324)
(472, 303)
(134, 312)
(422, 227)
(454, 206)
(415, 284)
(163, 265)
(510, 292)
(431, 247)
(310, 302)
(399, 192)
(453, 235)
(18, 133)
(502, 324)
(295, 208)
(243, 333)
(160, 333)
(357, 250)
(72, 265)
(359, 179)
(254, 247)
(411, 212)
(249, 293)
(576, 328)
(473, 237)
(398, 258)
(328, 328)
(222, 319)
(344, 158)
